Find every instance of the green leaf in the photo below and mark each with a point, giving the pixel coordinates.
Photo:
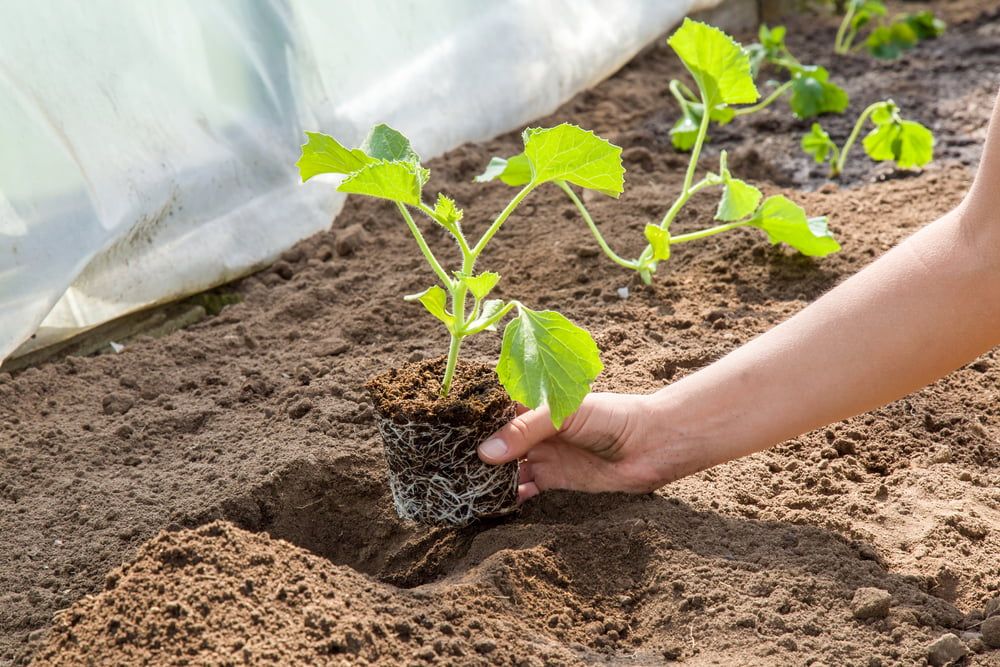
(865, 11)
(906, 142)
(784, 221)
(925, 25)
(396, 181)
(322, 154)
(684, 133)
(568, 153)
(818, 144)
(772, 39)
(718, 64)
(491, 313)
(385, 143)
(513, 171)
(739, 199)
(659, 240)
(547, 360)
(482, 284)
(813, 94)
(446, 213)
(434, 300)
(890, 42)
(885, 112)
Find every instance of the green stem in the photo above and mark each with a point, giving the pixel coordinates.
(495, 227)
(424, 248)
(457, 232)
(493, 320)
(628, 264)
(682, 93)
(778, 92)
(683, 199)
(841, 47)
(838, 166)
(711, 231)
(449, 370)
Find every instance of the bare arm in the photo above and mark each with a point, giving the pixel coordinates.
(923, 309)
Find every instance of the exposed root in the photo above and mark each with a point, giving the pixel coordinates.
(436, 476)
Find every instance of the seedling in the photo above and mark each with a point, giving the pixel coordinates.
(907, 143)
(544, 358)
(722, 73)
(888, 39)
(812, 92)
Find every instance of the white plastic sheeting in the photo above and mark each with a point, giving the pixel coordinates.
(148, 147)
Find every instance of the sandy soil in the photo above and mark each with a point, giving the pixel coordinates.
(258, 417)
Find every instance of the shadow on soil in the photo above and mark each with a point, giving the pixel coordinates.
(607, 545)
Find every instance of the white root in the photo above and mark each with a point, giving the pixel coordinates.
(436, 476)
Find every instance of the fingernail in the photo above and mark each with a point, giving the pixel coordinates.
(493, 448)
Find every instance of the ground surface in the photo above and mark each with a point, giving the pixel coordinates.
(258, 417)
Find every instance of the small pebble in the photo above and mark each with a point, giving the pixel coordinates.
(871, 603)
(946, 650)
(991, 631)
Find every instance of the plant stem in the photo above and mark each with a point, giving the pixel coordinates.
(682, 93)
(493, 320)
(711, 231)
(457, 232)
(495, 227)
(424, 248)
(778, 92)
(612, 255)
(840, 45)
(449, 370)
(837, 166)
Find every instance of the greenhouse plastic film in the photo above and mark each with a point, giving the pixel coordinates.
(149, 148)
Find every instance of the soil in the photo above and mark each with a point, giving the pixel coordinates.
(258, 417)
(412, 392)
(434, 472)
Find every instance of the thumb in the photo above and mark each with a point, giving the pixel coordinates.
(514, 440)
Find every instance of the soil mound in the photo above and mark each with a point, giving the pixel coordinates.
(258, 416)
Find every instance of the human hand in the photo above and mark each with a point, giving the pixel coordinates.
(614, 442)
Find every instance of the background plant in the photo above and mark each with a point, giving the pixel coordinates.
(811, 93)
(721, 71)
(888, 38)
(544, 359)
(907, 143)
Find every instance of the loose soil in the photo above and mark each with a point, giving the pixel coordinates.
(258, 418)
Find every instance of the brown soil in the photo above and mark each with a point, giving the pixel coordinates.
(434, 472)
(412, 393)
(258, 416)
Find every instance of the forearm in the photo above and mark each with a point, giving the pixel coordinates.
(925, 308)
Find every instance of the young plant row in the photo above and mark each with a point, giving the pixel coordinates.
(888, 38)
(545, 359)
(810, 93)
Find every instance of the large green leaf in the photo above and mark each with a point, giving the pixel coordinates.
(322, 154)
(659, 241)
(514, 171)
(718, 64)
(385, 143)
(547, 360)
(813, 94)
(818, 144)
(784, 221)
(396, 181)
(906, 142)
(569, 153)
